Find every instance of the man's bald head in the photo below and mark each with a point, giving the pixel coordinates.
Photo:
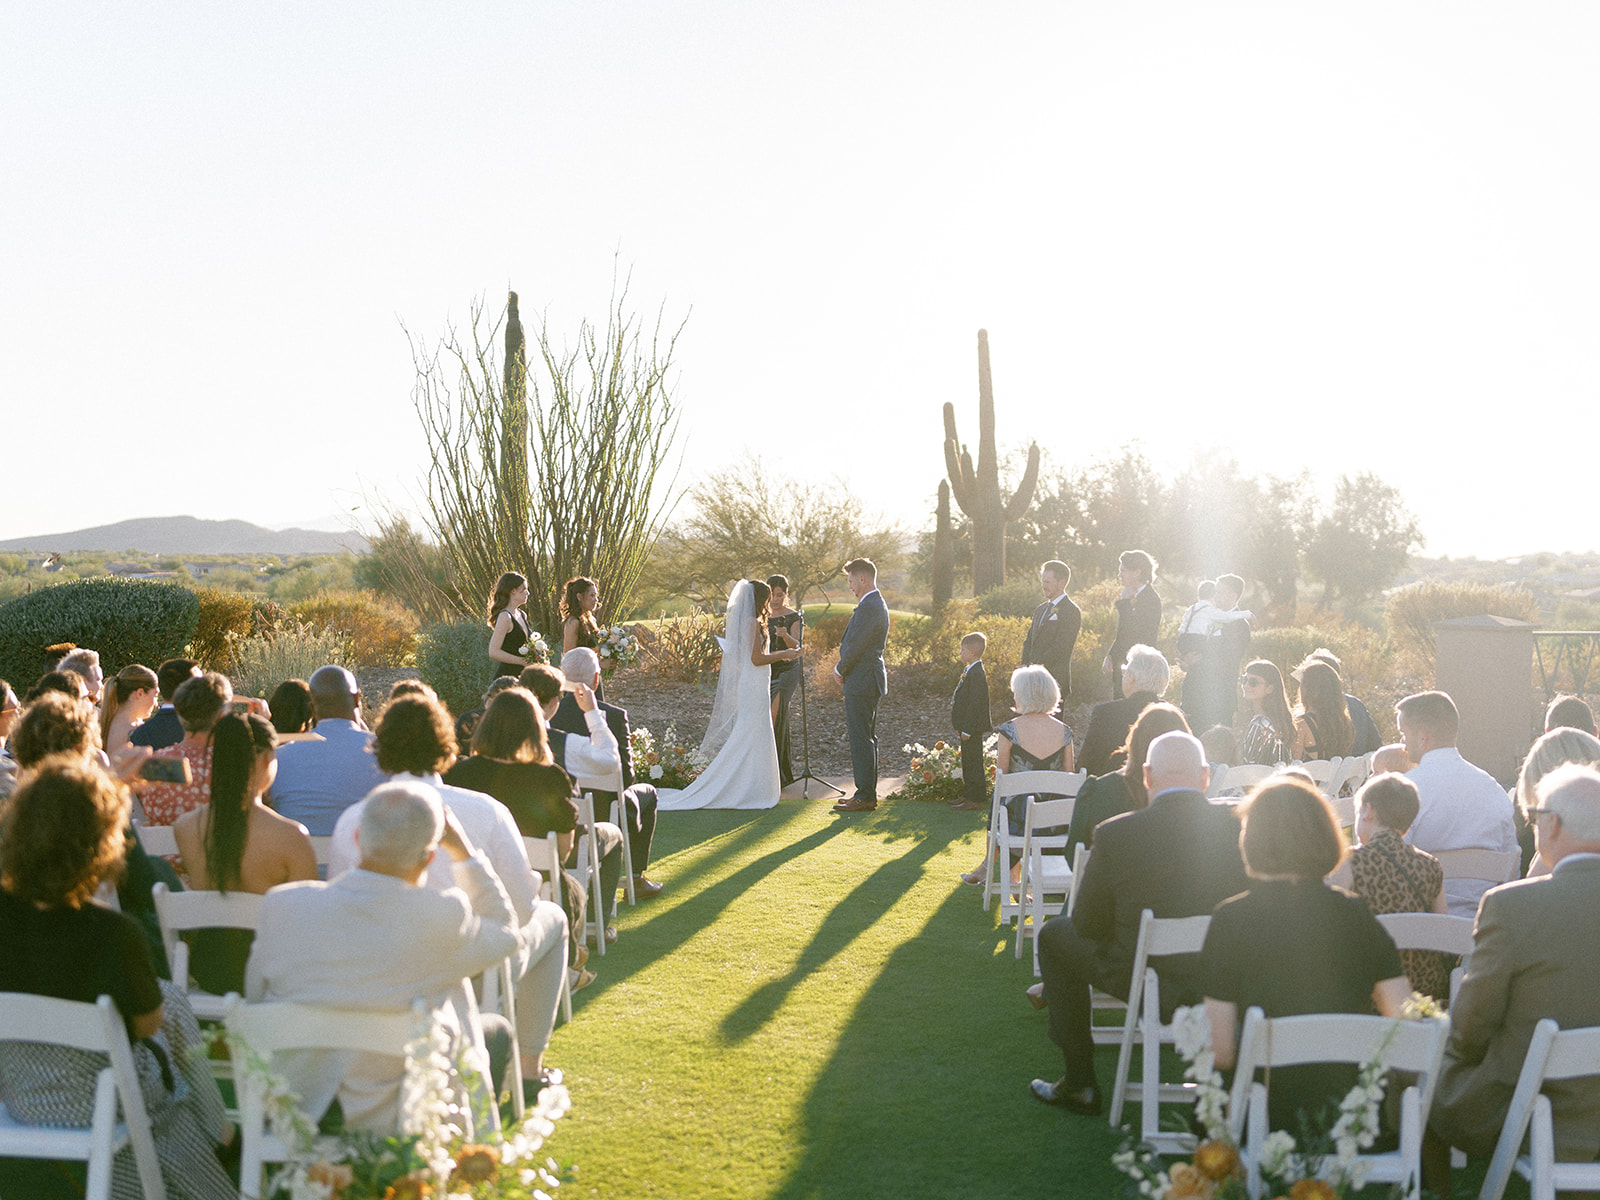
(1176, 760)
(581, 665)
(335, 694)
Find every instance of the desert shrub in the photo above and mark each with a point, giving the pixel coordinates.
(380, 632)
(453, 659)
(126, 620)
(825, 628)
(1413, 611)
(910, 640)
(225, 614)
(283, 649)
(306, 580)
(681, 648)
(1014, 598)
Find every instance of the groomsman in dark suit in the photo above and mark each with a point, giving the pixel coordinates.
(1138, 613)
(969, 710)
(1055, 626)
(865, 679)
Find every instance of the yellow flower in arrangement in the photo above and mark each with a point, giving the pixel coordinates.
(928, 777)
(1313, 1189)
(1188, 1182)
(475, 1164)
(935, 774)
(1216, 1159)
(414, 1186)
(652, 758)
(333, 1176)
(940, 746)
(916, 764)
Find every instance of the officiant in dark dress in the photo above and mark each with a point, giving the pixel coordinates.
(784, 626)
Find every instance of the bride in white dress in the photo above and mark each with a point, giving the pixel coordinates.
(744, 757)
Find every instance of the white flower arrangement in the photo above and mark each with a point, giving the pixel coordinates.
(618, 648)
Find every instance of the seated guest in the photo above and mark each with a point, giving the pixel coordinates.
(1391, 760)
(1033, 741)
(131, 697)
(1221, 747)
(66, 682)
(1269, 737)
(468, 721)
(1322, 726)
(1122, 790)
(1178, 857)
(1292, 944)
(85, 664)
(237, 844)
(1463, 808)
(9, 707)
(162, 728)
(290, 706)
(1393, 877)
(1366, 736)
(1145, 676)
(410, 687)
(1536, 954)
(582, 665)
(1556, 748)
(373, 938)
(200, 702)
(595, 754)
(61, 835)
(320, 777)
(1569, 712)
(511, 761)
(414, 742)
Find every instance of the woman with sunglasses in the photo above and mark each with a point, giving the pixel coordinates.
(1271, 728)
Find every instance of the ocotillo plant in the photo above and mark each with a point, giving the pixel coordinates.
(978, 492)
(513, 495)
(944, 552)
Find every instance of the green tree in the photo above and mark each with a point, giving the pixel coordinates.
(1363, 541)
(548, 463)
(746, 522)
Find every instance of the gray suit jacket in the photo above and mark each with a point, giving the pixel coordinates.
(861, 650)
(1536, 954)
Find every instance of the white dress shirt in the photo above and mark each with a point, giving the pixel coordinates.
(1462, 808)
(595, 756)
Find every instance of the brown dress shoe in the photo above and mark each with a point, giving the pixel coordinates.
(646, 887)
(855, 804)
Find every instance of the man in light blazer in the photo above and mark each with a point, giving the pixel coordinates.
(865, 679)
(1536, 954)
(1054, 631)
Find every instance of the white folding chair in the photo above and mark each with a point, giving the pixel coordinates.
(269, 1028)
(586, 870)
(618, 816)
(1080, 855)
(1158, 937)
(1045, 870)
(1344, 808)
(1321, 770)
(1351, 774)
(544, 856)
(157, 840)
(997, 852)
(1242, 778)
(1439, 932)
(1496, 866)
(1416, 1046)
(1552, 1055)
(497, 991)
(179, 912)
(96, 1027)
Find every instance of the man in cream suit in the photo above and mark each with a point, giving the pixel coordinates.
(1536, 954)
(374, 938)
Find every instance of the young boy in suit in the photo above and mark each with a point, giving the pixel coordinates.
(969, 710)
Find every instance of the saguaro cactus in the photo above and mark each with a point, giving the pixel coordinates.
(944, 551)
(978, 492)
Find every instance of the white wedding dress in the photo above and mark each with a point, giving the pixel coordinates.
(744, 763)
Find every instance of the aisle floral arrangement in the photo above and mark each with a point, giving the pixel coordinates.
(618, 648)
(669, 762)
(936, 774)
(1322, 1165)
(437, 1160)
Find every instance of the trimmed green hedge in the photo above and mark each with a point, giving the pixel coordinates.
(453, 659)
(126, 620)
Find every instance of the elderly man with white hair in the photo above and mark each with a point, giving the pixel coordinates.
(1536, 954)
(1179, 858)
(582, 665)
(375, 938)
(1145, 676)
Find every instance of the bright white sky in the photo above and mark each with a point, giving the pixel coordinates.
(1345, 236)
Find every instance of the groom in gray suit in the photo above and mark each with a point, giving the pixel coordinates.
(865, 681)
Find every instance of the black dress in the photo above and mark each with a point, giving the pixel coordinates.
(1021, 760)
(516, 642)
(1100, 798)
(785, 678)
(1292, 948)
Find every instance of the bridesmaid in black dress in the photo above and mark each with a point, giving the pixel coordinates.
(508, 641)
(579, 602)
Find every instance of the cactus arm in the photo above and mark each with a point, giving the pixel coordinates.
(1023, 496)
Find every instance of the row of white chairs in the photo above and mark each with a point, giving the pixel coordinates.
(1333, 776)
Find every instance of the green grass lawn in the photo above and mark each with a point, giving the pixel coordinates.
(817, 1007)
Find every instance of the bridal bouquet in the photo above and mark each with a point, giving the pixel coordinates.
(618, 648)
(936, 774)
(669, 762)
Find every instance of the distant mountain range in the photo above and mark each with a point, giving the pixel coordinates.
(191, 535)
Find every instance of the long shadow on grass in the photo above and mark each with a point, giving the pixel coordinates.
(732, 840)
(868, 901)
(925, 1092)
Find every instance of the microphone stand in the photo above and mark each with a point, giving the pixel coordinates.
(806, 778)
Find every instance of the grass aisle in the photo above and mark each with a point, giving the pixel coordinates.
(816, 1007)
